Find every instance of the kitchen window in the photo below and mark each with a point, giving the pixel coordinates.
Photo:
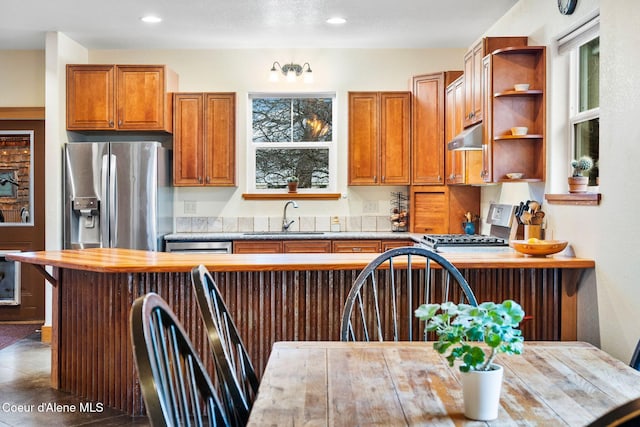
(292, 135)
(583, 47)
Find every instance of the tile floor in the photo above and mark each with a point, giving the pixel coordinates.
(24, 386)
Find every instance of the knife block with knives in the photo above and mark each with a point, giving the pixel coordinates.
(528, 223)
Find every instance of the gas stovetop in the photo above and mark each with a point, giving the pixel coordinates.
(464, 239)
(464, 242)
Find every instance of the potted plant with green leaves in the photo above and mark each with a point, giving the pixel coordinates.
(474, 335)
(577, 181)
(292, 184)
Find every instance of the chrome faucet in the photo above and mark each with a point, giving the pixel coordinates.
(286, 224)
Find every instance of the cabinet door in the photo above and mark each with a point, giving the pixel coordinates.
(358, 246)
(430, 212)
(306, 246)
(395, 114)
(473, 85)
(257, 247)
(220, 139)
(140, 97)
(363, 138)
(188, 152)
(428, 129)
(454, 105)
(90, 97)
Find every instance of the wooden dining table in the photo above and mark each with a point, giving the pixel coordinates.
(409, 384)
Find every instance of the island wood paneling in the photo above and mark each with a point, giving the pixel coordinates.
(95, 359)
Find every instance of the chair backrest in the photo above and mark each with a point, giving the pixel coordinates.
(238, 378)
(175, 385)
(381, 303)
(635, 359)
(626, 415)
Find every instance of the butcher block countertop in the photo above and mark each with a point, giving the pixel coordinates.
(128, 260)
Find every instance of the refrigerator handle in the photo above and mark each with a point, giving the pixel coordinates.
(113, 202)
(104, 206)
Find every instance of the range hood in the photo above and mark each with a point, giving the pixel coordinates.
(468, 139)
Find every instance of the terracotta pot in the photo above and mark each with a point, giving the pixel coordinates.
(293, 187)
(481, 393)
(578, 184)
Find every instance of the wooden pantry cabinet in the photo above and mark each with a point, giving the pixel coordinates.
(379, 138)
(428, 118)
(462, 166)
(505, 108)
(120, 97)
(473, 85)
(204, 139)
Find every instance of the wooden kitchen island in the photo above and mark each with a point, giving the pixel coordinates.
(273, 297)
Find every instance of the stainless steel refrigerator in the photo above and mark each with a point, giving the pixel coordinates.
(117, 195)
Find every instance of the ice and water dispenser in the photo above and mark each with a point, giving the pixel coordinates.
(84, 223)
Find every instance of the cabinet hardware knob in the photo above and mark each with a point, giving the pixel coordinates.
(200, 179)
(110, 123)
(357, 249)
(119, 122)
(208, 180)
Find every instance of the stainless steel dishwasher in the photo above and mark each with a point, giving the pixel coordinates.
(201, 247)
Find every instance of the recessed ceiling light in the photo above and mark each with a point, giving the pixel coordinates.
(151, 19)
(336, 20)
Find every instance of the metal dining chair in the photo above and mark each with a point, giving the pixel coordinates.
(635, 359)
(233, 365)
(176, 388)
(380, 305)
(626, 415)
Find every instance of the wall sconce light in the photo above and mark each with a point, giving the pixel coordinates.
(291, 72)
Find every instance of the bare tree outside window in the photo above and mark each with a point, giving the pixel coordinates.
(292, 136)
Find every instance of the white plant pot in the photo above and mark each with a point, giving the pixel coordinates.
(481, 393)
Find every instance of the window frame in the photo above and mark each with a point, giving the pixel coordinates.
(332, 145)
(583, 33)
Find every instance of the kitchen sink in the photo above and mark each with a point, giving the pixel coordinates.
(282, 233)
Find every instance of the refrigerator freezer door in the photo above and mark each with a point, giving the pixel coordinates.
(85, 202)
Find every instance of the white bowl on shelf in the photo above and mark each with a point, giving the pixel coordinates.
(515, 175)
(519, 130)
(521, 87)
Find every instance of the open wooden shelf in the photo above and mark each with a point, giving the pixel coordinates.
(287, 196)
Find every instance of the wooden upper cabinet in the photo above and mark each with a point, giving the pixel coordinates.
(463, 166)
(454, 104)
(473, 83)
(91, 97)
(379, 138)
(428, 124)
(204, 139)
(120, 97)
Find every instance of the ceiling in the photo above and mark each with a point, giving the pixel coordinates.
(213, 24)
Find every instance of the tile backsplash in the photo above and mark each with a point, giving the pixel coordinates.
(305, 223)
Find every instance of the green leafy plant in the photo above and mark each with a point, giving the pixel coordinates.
(474, 335)
(292, 179)
(583, 164)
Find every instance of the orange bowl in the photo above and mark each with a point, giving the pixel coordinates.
(539, 247)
